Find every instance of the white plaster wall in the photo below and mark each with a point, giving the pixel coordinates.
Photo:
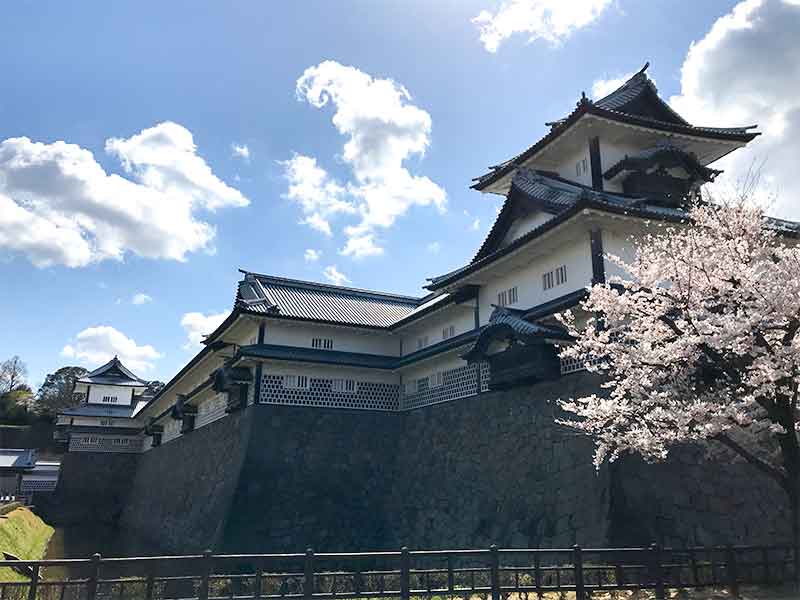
(574, 253)
(123, 394)
(344, 339)
(434, 365)
(460, 316)
(525, 224)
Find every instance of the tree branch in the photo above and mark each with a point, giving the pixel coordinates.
(759, 463)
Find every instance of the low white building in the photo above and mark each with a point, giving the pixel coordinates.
(105, 420)
(591, 183)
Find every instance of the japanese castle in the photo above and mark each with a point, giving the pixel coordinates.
(597, 177)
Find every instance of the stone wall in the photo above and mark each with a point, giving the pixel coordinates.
(493, 468)
(181, 492)
(496, 468)
(314, 477)
(93, 487)
(696, 499)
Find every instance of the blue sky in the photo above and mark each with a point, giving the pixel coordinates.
(227, 74)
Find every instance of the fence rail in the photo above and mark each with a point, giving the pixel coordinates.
(491, 573)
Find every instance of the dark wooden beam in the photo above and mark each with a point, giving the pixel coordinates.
(598, 262)
(596, 165)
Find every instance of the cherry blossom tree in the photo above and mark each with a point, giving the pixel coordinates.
(699, 343)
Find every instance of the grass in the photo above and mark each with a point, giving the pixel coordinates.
(25, 535)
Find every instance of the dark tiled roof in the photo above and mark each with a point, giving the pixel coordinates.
(636, 102)
(667, 155)
(514, 319)
(331, 357)
(99, 410)
(112, 373)
(565, 199)
(353, 359)
(312, 301)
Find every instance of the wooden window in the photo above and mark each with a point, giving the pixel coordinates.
(322, 343)
(121, 442)
(436, 380)
(448, 332)
(107, 422)
(502, 298)
(110, 399)
(558, 276)
(561, 275)
(295, 382)
(547, 280)
(507, 297)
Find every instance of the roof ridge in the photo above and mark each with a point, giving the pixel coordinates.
(338, 289)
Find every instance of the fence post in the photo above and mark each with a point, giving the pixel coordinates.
(202, 593)
(577, 561)
(658, 575)
(94, 575)
(732, 571)
(148, 590)
(308, 578)
(34, 583)
(494, 571)
(405, 574)
(451, 584)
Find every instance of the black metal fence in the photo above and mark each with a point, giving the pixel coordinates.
(493, 573)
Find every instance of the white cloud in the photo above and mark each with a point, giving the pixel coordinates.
(476, 224)
(312, 255)
(434, 247)
(603, 87)
(383, 130)
(319, 196)
(97, 345)
(550, 20)
(360, 245)
(333, 275)
(141, 298)
(59, 206)
(197, 326)
(746, 70)
(241, 151)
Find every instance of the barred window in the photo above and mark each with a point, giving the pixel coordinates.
(295, 382)
(110, 399)
(322, 343)
(561, 274)
(507, 297)
(348, 386)
(448, 332)
(422, 342)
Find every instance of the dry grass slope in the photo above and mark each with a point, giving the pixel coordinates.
(25, 535)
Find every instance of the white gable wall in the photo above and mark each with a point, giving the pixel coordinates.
(122, 394)
(525, 224)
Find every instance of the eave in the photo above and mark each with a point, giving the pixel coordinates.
(585, 107)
